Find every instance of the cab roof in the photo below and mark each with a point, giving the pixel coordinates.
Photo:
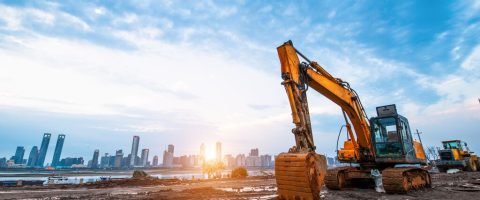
(451, 141)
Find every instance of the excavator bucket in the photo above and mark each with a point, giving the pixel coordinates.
(300, 175)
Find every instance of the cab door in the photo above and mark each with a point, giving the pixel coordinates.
(407, 139)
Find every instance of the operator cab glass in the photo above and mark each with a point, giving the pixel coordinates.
(387, 139)
(452, 145)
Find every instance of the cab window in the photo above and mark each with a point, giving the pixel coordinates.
(386, 136)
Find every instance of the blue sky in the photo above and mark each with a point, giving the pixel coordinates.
(187, 72)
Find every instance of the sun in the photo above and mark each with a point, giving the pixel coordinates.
(210, 154)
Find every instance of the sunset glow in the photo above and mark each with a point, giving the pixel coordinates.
(210, 153)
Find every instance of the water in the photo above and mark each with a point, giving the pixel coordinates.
(250, 189)
(72, 179)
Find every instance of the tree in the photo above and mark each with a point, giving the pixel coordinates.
(213, 168)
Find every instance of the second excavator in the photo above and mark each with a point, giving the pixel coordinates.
(383, 144)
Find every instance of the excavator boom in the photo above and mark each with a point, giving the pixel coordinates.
(298, 77)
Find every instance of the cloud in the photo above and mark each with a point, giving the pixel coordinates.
(76, 22)
(208, 71)
(10, 17)
(18, 18)
(472, 61)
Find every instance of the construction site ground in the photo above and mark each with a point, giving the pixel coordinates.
(462, 185)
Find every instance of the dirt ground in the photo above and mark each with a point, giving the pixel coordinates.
(461, 185)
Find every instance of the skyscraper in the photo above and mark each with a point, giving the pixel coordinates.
(118, 159)
(58, 150)
(167, 159)
(144, 158)
(19, 155)
(171, 149)
(134, 153)
(96, 154)
(254, 152)
(202, 152)
(32, 158)
(155, 160)
(43, 149)
(219, 152)
(105, 161)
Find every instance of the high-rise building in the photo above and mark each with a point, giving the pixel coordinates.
(134, 152)
(32, 158)
(3, 162)
(240, 160)
(254, 152)
(58, 150)
(144, 158)
(253, 161)
(68, 162)
(167, 159)
(105, 161)
(43, 150)
(96, 154)
(266, 161)
(202, 152)
(330, 161)
(155, 160)
(171, 149)
(118, 159)
(229, 160)
(19, 153)
(219, 152)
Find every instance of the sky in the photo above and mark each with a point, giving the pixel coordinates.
(192, 72)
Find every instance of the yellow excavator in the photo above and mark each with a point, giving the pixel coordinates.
(383, 144)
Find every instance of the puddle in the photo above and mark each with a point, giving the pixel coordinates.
(249, 189)
(267, 196)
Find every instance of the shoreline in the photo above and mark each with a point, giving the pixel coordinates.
(89, 172)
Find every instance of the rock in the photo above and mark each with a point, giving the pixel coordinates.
(139, 174)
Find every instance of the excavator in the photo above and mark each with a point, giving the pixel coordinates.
(381, 144)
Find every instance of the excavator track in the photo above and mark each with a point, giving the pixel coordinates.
(335, 179)
(299, 175)
(401, 180)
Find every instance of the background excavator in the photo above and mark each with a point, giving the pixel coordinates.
(381, 143)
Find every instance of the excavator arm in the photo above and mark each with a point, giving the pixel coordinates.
(298, 77)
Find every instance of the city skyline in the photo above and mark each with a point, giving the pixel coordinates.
(214, 153)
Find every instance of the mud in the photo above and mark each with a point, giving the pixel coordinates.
(461, 185)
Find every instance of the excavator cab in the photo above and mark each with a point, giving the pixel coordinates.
(392, 138)
(453, 144)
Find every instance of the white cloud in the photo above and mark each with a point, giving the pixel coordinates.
(78, 77)
(41, 16)
(10, 17)
(74, 21)
(99, 11)
(472, 61)
(16, 18)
